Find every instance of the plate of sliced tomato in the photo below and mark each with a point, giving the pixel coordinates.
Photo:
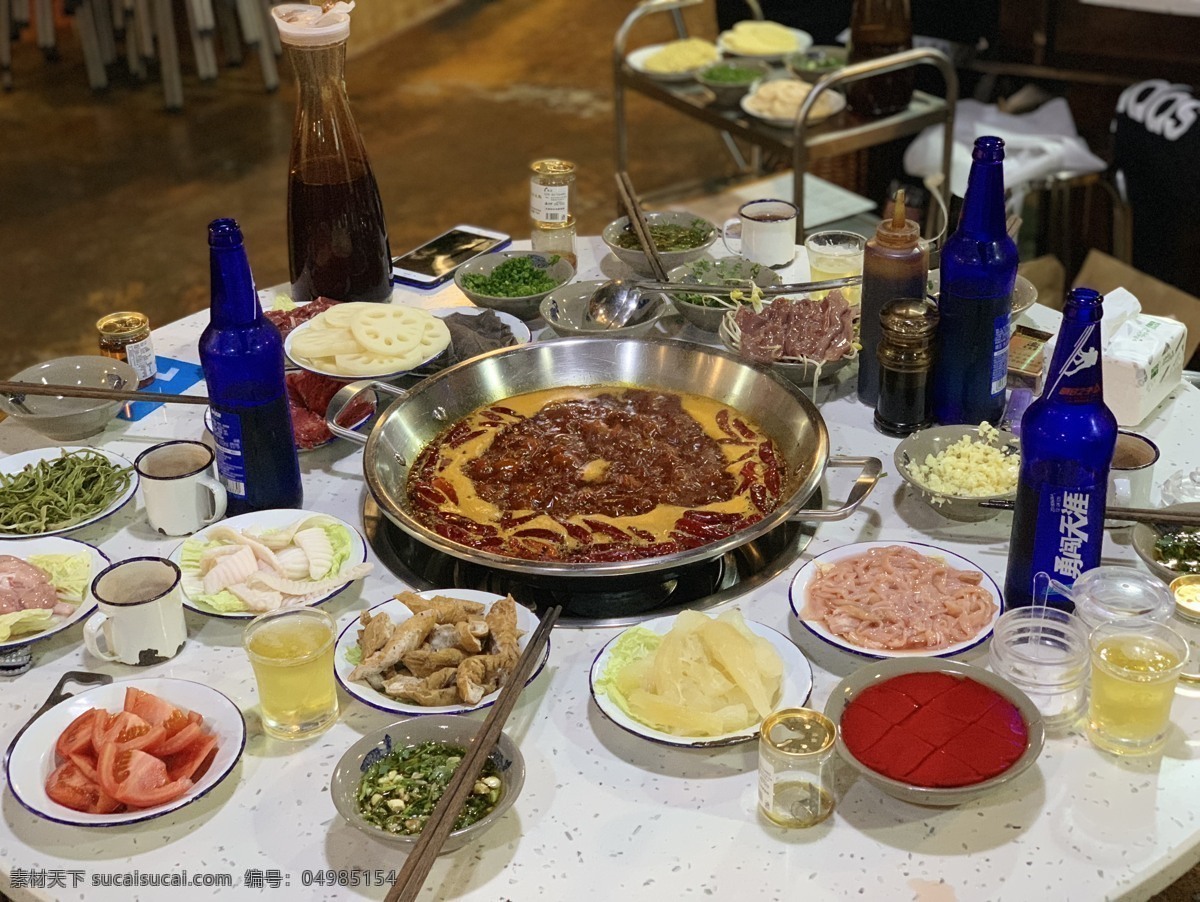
(126, 752)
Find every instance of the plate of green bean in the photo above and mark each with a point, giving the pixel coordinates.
(51, 491)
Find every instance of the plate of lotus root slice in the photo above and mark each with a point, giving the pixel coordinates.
(433, 652)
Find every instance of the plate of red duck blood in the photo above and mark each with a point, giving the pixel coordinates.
(934, 732)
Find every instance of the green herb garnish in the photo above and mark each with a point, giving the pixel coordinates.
(731, 75)
(516, 277)
(668, 237)
(1179, 551)
(713, 272)
(400, 790)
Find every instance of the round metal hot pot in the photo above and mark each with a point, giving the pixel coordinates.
(421, 413)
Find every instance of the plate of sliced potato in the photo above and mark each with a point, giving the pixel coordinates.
(362, 340)
(436, 652)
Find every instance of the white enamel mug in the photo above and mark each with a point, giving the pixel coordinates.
(140, 612)
(764, 232)
(1131, 474)
(180, 492)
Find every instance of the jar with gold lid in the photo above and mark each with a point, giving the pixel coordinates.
(551, 196)
(905, 353)
(126, 336)
(796, 777)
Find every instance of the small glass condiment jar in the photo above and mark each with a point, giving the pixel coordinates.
(1112, 594)
(1044, 652)
(126, 336)
(905, 353)
(1186, 591)
(551, 193)
(796, 777)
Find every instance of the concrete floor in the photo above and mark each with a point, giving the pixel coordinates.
(105, 199)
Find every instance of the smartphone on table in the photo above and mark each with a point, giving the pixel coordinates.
(434, 262)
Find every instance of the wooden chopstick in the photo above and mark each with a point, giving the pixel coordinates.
(637, 219)
(416, 868)
(100, 394)
(1137, 514)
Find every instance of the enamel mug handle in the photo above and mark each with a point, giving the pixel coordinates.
(96, 627)
(220, 498)
(732, 229)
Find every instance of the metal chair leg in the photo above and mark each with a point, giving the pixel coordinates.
(168, 54)
(85, 23)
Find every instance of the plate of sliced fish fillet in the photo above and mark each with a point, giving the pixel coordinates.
(261, 561)
(437, 652)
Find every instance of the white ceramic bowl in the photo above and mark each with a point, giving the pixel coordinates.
(70, 419)
(636, 260)
(526, 306)
(1144, 535)
(564, 311)
(727, 269)
(880, 671)
(918, 446)
(442, 728)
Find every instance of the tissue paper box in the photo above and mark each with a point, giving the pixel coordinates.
(1143, 363)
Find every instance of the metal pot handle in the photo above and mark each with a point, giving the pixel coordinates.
(872, 470)
(348, 393)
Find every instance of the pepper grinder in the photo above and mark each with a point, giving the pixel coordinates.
(905, 353)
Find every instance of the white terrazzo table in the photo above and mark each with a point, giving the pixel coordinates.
(604, 814)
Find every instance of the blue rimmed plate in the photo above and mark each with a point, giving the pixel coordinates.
(797, 686)
(270, 519)
(527, 622)
(798, 598)
(32, 758)
(56, 545)
(14, 463)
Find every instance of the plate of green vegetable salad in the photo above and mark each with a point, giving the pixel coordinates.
(51, 491)
(55, 595)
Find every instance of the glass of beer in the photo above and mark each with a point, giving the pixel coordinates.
(291, 650)
(1134, 671)
(835, 255)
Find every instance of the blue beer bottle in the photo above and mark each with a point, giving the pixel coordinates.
(1067, 441)
(979, 269)
(241, 354)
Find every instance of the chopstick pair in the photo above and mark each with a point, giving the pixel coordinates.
(17, 390)
(416, 867)
(637, 219)
(1136, 514)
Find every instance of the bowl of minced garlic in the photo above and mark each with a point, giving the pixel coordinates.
(953, 468)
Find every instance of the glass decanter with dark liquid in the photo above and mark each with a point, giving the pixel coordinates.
(337, 236)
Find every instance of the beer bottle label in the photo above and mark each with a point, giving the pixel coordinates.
(1000, 339)
(1069, 532)
(231, 462)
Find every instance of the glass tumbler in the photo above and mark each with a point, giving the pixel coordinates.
(1044, 652)
(835, 255)
(796, 778)
(1135, 669)
(291, 651)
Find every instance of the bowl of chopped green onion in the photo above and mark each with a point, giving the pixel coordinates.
(729, 80)
(68, 419)
(816, 62)
(705, 310)
(679, 238)
(513, 281)
(388, 783)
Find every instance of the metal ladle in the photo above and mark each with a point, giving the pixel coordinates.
(613, 304)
